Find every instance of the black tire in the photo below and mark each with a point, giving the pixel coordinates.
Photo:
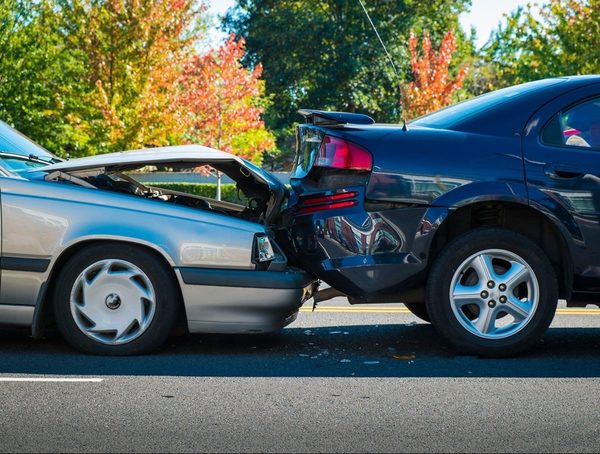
(166, 299)
(419, 310)
(439, 283)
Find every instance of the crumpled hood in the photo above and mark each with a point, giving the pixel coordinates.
(137, 158)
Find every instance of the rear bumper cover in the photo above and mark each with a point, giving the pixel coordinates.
(242, 301)
(364, 254)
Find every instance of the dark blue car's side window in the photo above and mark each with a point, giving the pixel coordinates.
(577, 126)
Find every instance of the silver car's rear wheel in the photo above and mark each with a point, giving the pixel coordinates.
(116, 299)
(113, 301)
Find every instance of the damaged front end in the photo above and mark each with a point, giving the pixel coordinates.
(260, 195)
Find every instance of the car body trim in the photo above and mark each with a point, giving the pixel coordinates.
(290, 279)
(38, 323)
(224, 327)
(17, 315)
(35, 265)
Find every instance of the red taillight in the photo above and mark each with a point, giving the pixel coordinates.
(328, 202)
(340, 154)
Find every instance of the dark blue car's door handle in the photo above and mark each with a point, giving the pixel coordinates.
(560, 172)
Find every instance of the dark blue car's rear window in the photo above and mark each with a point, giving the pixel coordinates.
(458, 113)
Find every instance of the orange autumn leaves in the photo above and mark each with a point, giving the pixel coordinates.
(150, 86)
(433, 85)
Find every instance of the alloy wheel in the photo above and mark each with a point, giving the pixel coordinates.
(494, 293)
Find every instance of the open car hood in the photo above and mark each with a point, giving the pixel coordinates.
(128, 160)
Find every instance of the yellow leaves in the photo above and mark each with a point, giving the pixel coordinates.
(135, 50)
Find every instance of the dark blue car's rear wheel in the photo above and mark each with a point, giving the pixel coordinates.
(492, 292)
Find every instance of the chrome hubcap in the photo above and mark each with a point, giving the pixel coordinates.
(494, 294)
(113, 302)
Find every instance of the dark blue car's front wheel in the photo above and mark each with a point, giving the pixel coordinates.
(492, 292)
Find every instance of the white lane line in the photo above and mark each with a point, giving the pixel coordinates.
(51, 379)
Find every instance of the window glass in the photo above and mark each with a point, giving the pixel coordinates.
(578, 126)
(20, 164)
(12, 141)
(450, 116)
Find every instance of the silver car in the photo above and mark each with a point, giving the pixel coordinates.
(117, 264)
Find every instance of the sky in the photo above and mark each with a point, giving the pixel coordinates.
(484, 16)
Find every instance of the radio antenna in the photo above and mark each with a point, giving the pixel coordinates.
(390, 60)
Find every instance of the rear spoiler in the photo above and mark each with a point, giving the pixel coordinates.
(324, 118)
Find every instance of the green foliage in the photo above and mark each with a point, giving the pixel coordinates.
(88, 76)
(556, 39)
(133, 51)
(41, 77)
(323, 53)
(229, 192)
(83, 77)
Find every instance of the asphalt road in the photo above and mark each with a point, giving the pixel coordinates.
(334, 381)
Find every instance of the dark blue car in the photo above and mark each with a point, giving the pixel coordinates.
(479, 216)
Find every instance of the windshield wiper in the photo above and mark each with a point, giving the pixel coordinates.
(50, 160)
(31, 157)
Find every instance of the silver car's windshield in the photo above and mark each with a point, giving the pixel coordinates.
(15, 144)
(17, 163)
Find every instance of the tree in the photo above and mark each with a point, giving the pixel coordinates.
(225, 102)
(433, 86)
(323, 53)
(556, 39)
(41, 77)
(134, 51)
(91, 76)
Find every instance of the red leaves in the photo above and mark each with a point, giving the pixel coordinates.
(224, 102)
(432, 87)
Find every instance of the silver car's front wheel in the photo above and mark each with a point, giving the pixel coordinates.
(115, 299)
(492, 292)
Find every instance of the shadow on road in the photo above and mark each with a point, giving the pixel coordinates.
(412, 350)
